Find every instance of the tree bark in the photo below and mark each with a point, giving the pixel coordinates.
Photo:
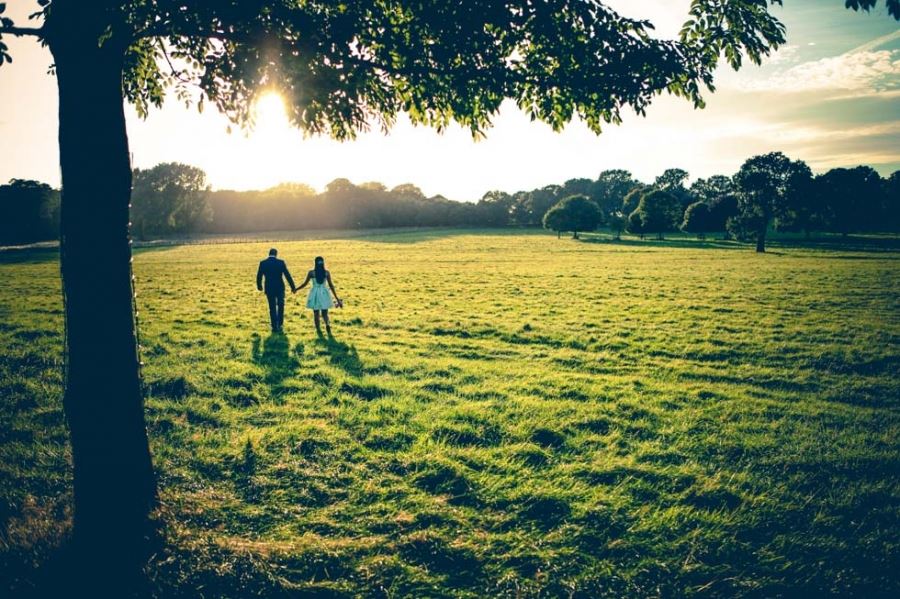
(761, 241)
(115, 487)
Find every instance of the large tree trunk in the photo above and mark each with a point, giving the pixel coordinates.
(761, 241)
(115, 487)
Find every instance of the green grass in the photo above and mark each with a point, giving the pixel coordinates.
(499, 414)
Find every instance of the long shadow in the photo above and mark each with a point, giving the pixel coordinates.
(275, 356)
(851, 243)
(343, 355)
(718, 244)
(50, 253)
(29, 255)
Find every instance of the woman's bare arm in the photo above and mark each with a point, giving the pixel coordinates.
(330, 284)
(306, 282)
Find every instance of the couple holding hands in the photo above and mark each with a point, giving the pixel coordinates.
(270, 277)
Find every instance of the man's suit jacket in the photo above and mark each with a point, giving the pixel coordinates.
(272, 270)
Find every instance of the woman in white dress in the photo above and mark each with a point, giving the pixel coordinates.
(319, 299)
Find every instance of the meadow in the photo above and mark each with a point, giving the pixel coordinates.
(499, 414)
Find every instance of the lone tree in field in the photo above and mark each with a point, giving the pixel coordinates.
(659, 212)
(768, 183)
(577, 213)
(340, 68)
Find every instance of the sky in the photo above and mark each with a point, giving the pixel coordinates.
(830, 96)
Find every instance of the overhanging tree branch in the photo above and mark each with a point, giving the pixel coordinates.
(165, 31)
(22, 31)
(175, 72)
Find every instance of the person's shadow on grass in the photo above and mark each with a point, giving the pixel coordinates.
(276, 358)
(343, 355)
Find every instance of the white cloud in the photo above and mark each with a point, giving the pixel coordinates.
(820, 134)
(868, 71)
(783, 55)
(872, 68)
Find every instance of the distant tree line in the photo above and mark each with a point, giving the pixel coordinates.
(344, 205)
(769, 192)
(29, 212)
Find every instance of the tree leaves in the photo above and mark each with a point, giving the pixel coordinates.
(344, 67)
(893, 6)
(767, 185)
(659, 211)
(169, 198)
(574, 213)
(734, 29)
(4, 49)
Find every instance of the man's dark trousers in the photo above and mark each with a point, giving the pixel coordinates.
(276, 309)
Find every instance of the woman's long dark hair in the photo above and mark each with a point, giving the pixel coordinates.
(320, 269)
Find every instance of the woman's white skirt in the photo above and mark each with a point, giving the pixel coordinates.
(319, 298)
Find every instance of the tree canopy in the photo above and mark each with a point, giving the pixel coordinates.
(610, 189)
(659, 211)
(709, 190)
(632, 198)
(169, 198)
(574, 213)
(29, 211)
(767, 184)
(342, 66)
(698, 219)
(893, 6)
(852, 197)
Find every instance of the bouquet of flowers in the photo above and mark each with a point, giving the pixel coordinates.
(338, 302)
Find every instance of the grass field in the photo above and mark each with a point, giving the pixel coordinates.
(498, 415)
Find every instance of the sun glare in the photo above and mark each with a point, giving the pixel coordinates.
(273, 143)
(269, 112)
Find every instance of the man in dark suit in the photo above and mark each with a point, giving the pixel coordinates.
(272, 270)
